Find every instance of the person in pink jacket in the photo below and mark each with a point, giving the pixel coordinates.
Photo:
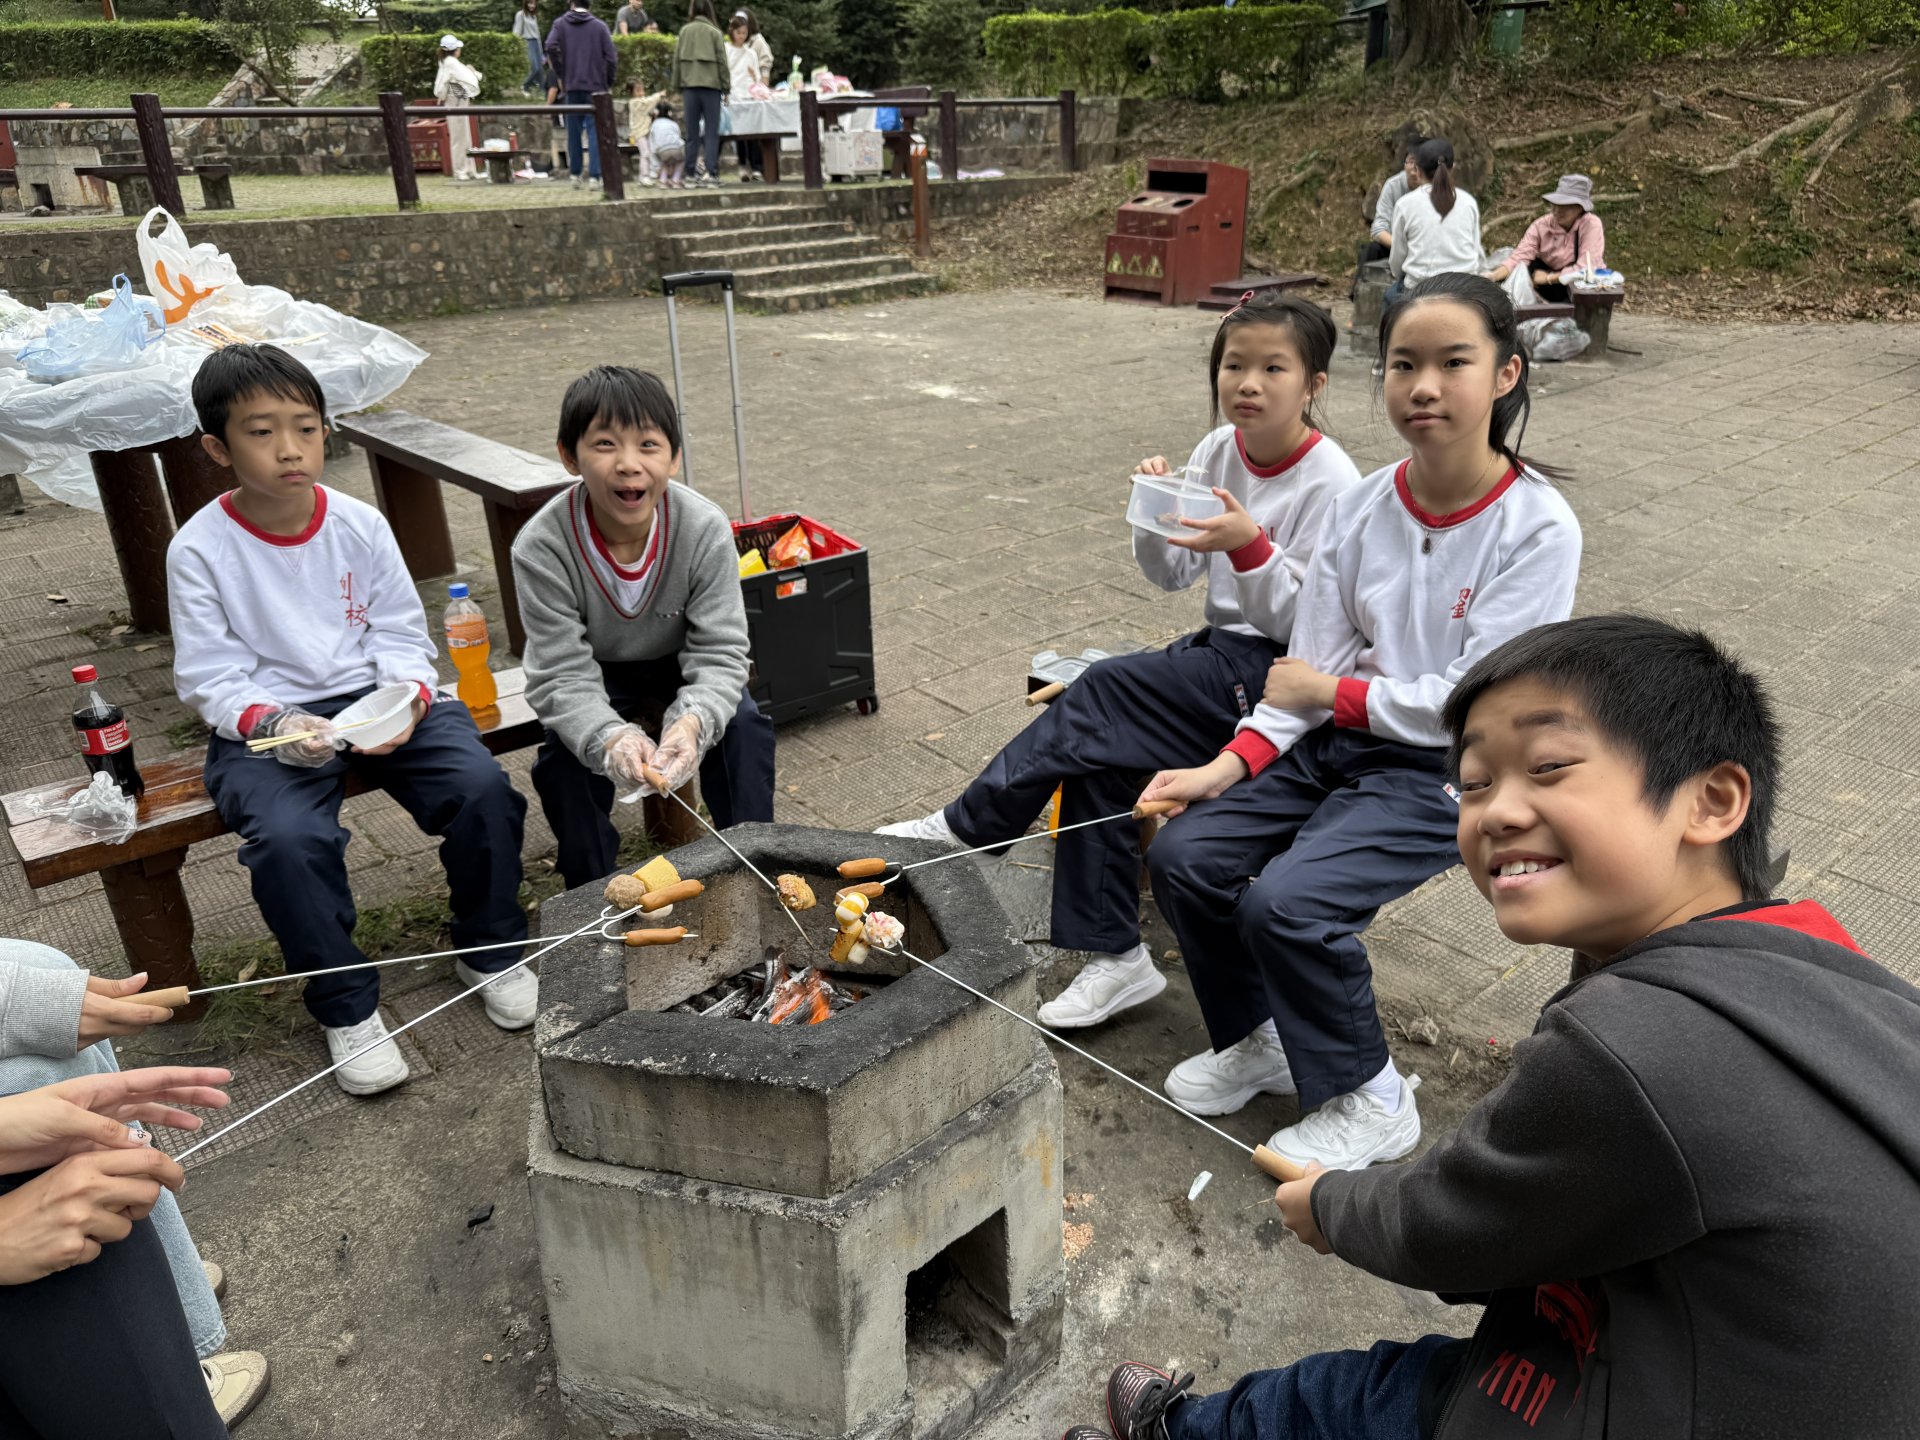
(1568, 238)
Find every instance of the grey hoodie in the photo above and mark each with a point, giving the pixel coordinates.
(1693, 1208)
(694, 612)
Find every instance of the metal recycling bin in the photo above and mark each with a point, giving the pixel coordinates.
(1183, 233)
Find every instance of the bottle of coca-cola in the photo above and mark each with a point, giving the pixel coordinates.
(103, 735)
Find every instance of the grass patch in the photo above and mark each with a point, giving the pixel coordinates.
(98, 92)
(188, 734)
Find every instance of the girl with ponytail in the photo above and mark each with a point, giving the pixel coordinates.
(1332, 794)
(1436, 228)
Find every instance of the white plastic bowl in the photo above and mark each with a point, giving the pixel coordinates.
(1159, 502)
(389, 709)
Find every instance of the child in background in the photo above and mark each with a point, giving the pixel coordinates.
(1689, 1208)
(669, 150)
(1331, 796)
(640, 107)
(1277, 475)
(630, 591)
(289, 602)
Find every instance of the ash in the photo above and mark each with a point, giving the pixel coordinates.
(774, 993)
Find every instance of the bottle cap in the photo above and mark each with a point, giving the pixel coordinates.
(458, 592)
(85, 674)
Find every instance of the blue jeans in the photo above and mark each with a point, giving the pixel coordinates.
(30, 1072)
(701, 106)
(577, 125)
(536, 63)
(1341, 1395)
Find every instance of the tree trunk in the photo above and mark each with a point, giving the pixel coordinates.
(1429, 34)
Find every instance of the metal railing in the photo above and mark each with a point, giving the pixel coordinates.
(163, 174)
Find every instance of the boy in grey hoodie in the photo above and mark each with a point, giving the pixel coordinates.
(630, 593)
(1689, 1210)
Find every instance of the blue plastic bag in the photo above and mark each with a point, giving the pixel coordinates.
(82, 345)
(886, 118)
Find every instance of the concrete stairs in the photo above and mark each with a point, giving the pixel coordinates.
(787, 251)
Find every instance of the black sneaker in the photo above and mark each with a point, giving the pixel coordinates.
(1138, 1397)
(1086, 1432)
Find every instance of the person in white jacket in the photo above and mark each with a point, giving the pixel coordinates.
(458, 83)
(289, 602)
(1332, 796)
(1436, 226)
(1277, 477)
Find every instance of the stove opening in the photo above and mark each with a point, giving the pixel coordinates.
(958, 1330)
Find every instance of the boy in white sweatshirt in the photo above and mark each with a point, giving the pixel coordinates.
(289, 602)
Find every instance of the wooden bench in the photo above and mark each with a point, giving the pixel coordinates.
(136, 189)
(1591, 310)
(499, 164)
(913, 102)
(142, 876)
(411, 457)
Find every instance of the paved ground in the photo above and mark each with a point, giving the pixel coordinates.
(1754, 481)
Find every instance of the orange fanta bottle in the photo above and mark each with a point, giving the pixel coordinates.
(468, 647)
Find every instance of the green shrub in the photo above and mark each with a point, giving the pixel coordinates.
(440, 17)
(1101, 53)
(408, 63)
(130, 48)
(1612, 33)
(943, 42)
(1267, 49)
(646, 58)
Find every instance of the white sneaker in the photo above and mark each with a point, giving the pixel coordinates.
(1219, 1084)
(374, 1067)
(1351, 1132)
(1106, 986)
(236, 1379)
(593, 182)
(577, 182)
(932, 827)
(511, 1000)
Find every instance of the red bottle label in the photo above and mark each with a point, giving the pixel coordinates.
(105, 740)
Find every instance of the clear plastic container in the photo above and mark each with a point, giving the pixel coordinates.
(1159, 502)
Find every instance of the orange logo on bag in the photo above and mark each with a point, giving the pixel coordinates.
(185, 294)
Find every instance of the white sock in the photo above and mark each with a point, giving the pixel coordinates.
(1271, 1031)
(1386, 1088)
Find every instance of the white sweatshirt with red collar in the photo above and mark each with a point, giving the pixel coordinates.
(1399, 603)
(267, 622)
(1252, 590)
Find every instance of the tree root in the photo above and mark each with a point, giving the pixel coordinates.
(1779, 102)
(1572, 132)
(1885, 99)
(1865, 104)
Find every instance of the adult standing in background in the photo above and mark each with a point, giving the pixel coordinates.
(749, 63)
(458, 83)
(1436, 227)
(580, 49)
(701, 75)
(526, 28)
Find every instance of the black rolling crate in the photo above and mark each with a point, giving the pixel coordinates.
(810, 627)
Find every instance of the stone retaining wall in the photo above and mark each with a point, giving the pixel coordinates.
(385, 267)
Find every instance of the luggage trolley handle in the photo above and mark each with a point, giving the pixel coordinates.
(670, 285)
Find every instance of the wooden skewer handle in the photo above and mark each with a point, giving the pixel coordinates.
(1046, 693)
(1147, 809)
(872, 889)
(671, 935)
(668, 894)
(1277, 1165)
(654, 778)
(171, 999)
(860, 869)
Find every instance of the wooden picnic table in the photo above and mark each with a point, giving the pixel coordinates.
(144, 503)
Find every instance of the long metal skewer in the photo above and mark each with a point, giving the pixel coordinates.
(361, 965)
(1278, 1166)
(1017, 840)
(254, 1114)
(658, 782)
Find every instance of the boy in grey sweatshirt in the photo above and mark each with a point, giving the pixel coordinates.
(636, 631)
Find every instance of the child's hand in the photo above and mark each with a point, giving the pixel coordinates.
(1220, 532)
(678, 755)
(1295, 685)
(1295, 1199)
(308, 754)
(419, 711)
(625, 752)
(1153, 465)
(1202, 783)
(112, 1007)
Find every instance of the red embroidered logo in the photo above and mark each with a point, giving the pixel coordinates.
(1460, 605)
(356, 612)
(1514, 1384)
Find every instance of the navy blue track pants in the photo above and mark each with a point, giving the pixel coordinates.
(1118, 723)
(736, 774)
(296, 848)
(1269, 886)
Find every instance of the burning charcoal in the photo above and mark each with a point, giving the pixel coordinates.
(734, 1006)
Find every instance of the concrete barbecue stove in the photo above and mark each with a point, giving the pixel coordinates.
(846, 1229)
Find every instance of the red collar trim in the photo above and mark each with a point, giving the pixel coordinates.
(638, 572)
(1456, 517)
(1809, 917)
(313, 525)
(1267, 472)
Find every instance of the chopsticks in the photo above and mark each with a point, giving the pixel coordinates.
(274, 742)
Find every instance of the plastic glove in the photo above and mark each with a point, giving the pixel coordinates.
(679, 753)
(308, 754)
(625, 750)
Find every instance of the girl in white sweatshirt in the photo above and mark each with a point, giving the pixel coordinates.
(1332, 795)
(1278, 477)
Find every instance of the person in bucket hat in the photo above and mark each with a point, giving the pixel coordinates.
(1567, 239)
(458, 83)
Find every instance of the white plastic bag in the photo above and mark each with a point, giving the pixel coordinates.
(180, 276)
(1553, 339)
(103, 810)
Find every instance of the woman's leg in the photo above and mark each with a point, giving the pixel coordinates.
(710, 154)
(691, 116)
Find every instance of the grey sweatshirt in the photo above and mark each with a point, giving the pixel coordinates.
(694, 612)
(39, 1002)
(1690, 1209)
